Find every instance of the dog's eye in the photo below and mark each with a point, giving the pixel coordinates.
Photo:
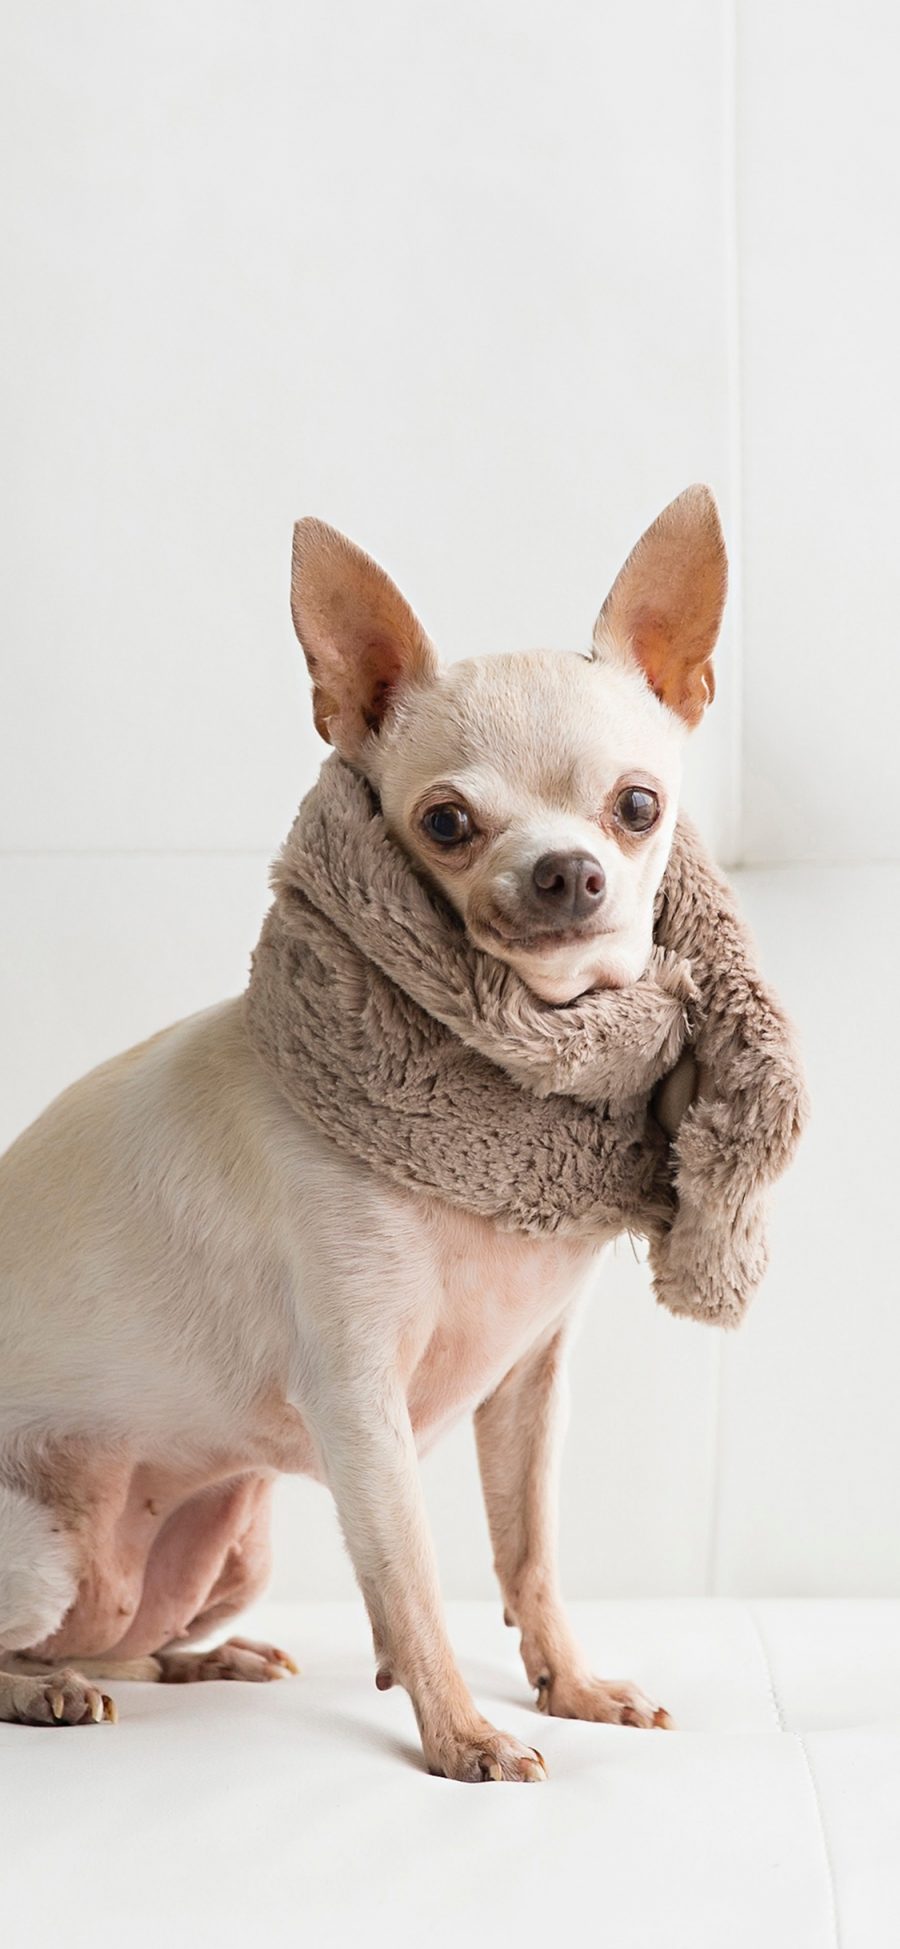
(448, 825)
(637, 808)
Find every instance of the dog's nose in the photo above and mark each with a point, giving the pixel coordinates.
(571, 883)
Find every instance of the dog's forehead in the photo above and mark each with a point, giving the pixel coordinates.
(545, 722)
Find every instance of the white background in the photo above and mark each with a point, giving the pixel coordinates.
(485, 285)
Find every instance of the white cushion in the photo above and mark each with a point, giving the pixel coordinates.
(300, 1812)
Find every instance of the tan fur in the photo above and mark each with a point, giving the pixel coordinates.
(200, 1287)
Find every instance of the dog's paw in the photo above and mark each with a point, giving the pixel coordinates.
(486, 1755)
(60, 1698)
(607, 1704)
(237, 1658)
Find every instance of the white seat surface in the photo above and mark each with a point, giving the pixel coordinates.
(300, 1812)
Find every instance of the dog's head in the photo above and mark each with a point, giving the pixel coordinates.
(539, 790)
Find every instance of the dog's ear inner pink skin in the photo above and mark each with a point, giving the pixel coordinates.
(665, 606)
(359, 635)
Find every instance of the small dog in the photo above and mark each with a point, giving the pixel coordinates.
(198, 1292)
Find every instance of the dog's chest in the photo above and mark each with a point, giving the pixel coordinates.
(496, 1294)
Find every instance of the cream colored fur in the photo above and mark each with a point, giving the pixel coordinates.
(198, 1291)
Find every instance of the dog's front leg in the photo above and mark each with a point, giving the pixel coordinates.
(518, 1430)
(363, 1430)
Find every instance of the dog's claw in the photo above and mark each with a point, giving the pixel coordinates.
(495, 1756)
(244, 1658)
(237, 1658)
(58, 1698)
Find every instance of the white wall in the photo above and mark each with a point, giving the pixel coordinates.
(818, 211)
(423, 271)
(484, 285)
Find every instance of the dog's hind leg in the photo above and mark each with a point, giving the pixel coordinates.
(237, 1658)
(37, 1570)
(37, 1587)
(225, 1532)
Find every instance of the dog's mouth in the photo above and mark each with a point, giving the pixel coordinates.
(539, 940)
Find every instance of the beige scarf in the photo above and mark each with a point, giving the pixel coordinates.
(433, 1063)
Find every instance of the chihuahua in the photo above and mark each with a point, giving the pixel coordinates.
(198, 1292)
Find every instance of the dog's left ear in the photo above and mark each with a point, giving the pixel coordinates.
(361, 640)
(665, 606)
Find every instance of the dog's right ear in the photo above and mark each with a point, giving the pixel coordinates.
(360, 638)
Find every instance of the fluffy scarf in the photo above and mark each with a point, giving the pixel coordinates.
(394, 1036)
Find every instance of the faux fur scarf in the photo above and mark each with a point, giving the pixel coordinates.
(413, 1050)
